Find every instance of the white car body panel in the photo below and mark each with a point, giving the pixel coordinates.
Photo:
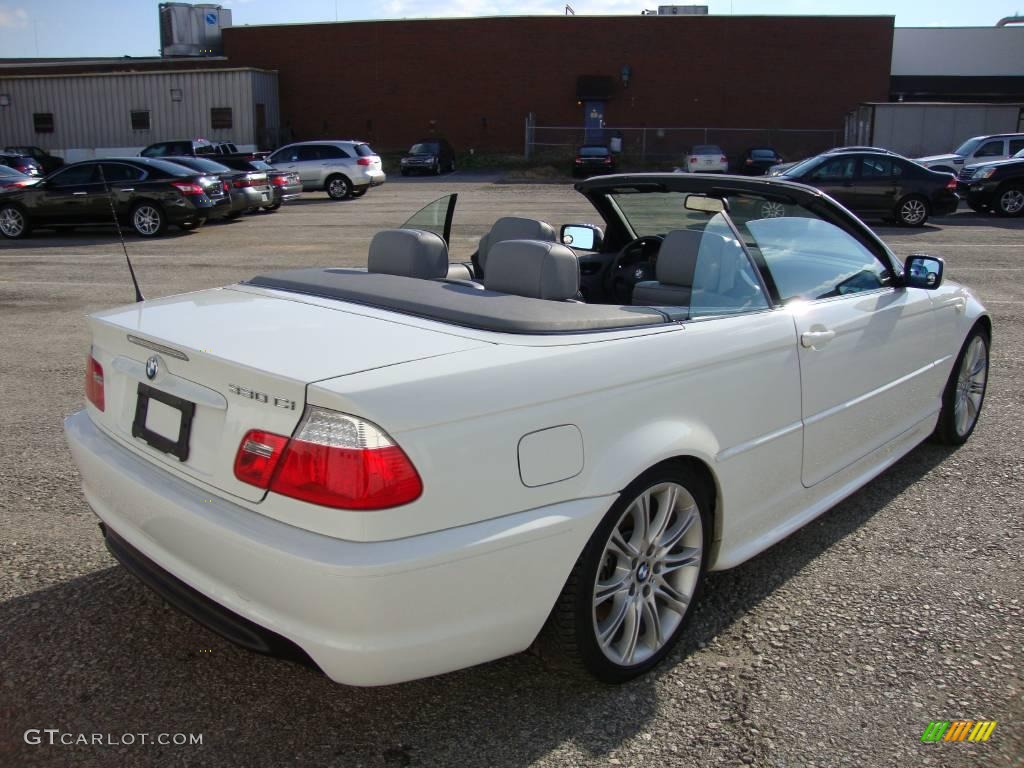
(523, 442)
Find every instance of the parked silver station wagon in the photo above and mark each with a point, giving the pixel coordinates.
(343, 169)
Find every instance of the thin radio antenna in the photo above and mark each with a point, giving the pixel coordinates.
(120, 234)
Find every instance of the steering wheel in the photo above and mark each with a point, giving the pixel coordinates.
(633, 264)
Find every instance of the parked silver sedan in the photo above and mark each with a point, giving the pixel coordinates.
(343, 169)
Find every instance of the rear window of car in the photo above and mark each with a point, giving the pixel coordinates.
(259, 165)
(707, 149)
(169, 168)
(364, 150)
(200, 164)
(205, 149)
(594, 151)
(763, 154)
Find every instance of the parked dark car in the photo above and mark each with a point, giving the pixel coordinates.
(429, 156)
(49, 163)
(757, 160)
(883, 185)
(781, 168)
(21, 163)
(10, 178)
(244, 197)
(996, 186)
(593, 160)
(284, 185)
(180, 148)
(147, 194)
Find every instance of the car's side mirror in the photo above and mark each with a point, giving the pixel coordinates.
(923, 271)
(586, 237)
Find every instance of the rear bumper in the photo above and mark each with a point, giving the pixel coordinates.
(945, 204)
(365, 613)
(373, 178)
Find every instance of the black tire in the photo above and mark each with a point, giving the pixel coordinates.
(437, 168)
(148, 219)
(950, 430)
(234, 216)
(1009, 201)
(405, 172)
(569, 638)
(912, 211)
(338, 187)
(978, 207)
(360, 191)
(14, 223)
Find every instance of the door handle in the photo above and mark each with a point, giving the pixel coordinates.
(79, 193)
(815, 339)
(130, 189)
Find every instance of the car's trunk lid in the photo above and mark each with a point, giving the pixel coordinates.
(236, 361)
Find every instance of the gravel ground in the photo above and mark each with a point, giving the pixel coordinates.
(903, 604)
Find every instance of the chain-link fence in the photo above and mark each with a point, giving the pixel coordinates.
(668, 146)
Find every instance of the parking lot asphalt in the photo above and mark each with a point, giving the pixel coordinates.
(902, 605)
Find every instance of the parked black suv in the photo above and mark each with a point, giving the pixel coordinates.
(147, 194)
(429, 156)
(997, 186)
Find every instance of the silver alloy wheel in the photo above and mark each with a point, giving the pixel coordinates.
(1012, 201)
(649, 571)
(12, 222)
(970, 386)
(913, 211)
(147, 220)
(772, 210)
(337, 188)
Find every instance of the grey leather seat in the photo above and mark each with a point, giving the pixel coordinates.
(674, 270)
(533, 268)
(510, 228)
(409, 253)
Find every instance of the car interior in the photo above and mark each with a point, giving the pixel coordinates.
(663, 256)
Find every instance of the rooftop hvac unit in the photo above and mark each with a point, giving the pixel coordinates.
(682, 10)
(192, 30)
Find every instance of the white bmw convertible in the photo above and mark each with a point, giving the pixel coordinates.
(409, 469)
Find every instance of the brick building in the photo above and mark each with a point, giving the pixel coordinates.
(476, 80)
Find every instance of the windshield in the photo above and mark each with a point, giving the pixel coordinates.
(803, 166)
(655, 213)
(424, 149)
(967, 147)
(593, 151)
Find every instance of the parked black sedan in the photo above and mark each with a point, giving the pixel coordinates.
(47, 162)
(146, 194)
(996, 186)
(757, 160)
(240, 196)
(593, 160)
(875, 184)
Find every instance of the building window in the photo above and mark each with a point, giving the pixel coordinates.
(175, 94)
(43, 122)
(5, 100)
(140, 119)
(220, 117)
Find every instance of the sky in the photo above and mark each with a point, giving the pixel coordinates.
(84, 28)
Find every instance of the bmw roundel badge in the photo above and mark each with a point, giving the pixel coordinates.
(152, 367)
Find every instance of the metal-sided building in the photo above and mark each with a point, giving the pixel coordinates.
(104, 114)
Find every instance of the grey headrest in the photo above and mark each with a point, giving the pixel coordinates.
(533, 268)
(513, 228)
(677, 257)
(408, 252)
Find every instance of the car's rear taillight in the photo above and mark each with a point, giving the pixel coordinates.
(333, 460)
(258, 456)
(607, 161)
(15, 183)
(94, 383)
(279, 181)
(188, 188)
(363, 161)
(724, 159)
(951, 184)
(225, 186)
(693, 159)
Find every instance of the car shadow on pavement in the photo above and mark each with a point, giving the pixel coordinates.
(103, 654)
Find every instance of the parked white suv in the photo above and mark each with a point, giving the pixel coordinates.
(342, 168)
(980, 149)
